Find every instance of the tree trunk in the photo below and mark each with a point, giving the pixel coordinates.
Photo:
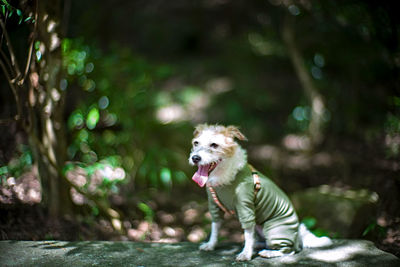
(315, 98)
(40, 108)
(47, 105)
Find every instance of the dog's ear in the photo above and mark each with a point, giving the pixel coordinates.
(199, 128)
(234, 132)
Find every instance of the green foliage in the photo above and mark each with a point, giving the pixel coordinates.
(92, 118)
(95, 210)
(374, 228)
(165, 175)
(148, 212)
(311, 224)
(19, 164)
(3, 170)
(8, 10)
(103, 177)
(106, 120)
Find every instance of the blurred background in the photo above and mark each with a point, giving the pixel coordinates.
(99, 100)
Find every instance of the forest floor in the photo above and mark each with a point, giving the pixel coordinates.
(111, 253)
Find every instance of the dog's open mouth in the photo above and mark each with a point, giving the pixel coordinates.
(201, 176)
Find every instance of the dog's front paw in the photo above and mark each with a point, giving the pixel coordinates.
(245, 255)
(207, 246)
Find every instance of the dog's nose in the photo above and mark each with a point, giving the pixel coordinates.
(196, 159)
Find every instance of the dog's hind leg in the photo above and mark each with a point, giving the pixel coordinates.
(260, 242)
(281, 240)
(285, 251)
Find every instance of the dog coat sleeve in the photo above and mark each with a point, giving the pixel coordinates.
(215, 211)
(245, 204)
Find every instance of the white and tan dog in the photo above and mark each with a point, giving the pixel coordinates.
(234, 187)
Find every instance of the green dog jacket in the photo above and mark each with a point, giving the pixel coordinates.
(269, 207)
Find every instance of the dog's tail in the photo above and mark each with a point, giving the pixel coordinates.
(309, 240)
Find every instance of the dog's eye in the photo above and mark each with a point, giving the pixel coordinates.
(195, 143)
(214, 145)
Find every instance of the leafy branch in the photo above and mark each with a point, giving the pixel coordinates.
(8, 61)
(8, 10)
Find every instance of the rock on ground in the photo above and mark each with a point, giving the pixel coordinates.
(344, 253)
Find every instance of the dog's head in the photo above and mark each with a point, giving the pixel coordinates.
(211, 145)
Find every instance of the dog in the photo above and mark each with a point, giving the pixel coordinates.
(235, 187)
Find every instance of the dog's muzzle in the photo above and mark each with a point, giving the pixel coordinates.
(196, 159)
(201, 176)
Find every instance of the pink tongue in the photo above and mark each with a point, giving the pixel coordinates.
(201, 176)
